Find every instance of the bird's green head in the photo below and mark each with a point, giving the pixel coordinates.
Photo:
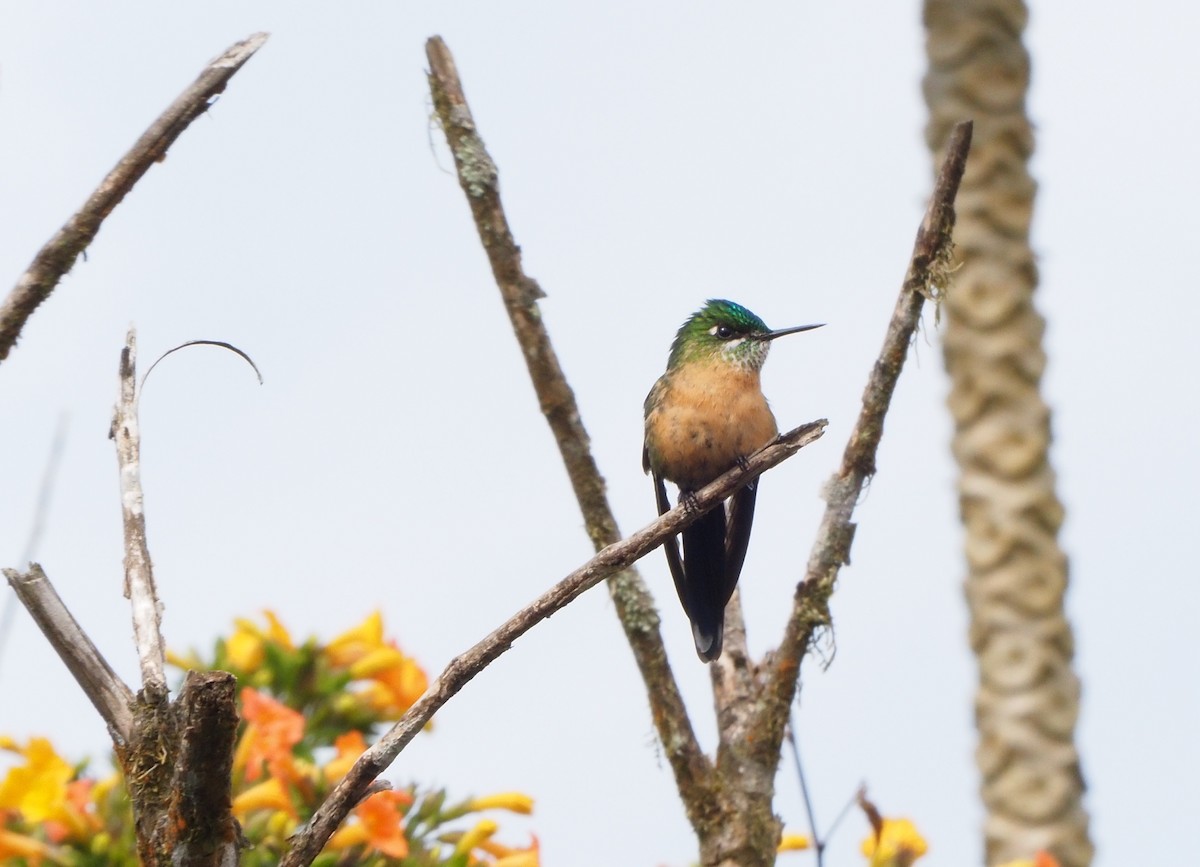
(724, 331)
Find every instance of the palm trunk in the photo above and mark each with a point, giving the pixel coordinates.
(1028, 697)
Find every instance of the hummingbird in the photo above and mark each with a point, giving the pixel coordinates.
(704, 416)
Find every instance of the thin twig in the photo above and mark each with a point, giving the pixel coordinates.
(927, 274)
(478, 176)
(95, 676)
(139, 576)
(41, 511)
(60, 252)
(818, 840)
(309, 841)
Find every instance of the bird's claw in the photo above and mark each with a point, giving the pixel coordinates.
(689, 502)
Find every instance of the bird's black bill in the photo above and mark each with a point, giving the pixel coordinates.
(771, 335)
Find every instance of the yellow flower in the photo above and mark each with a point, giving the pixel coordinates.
(246, 648)
(396, 681)
(483, 829)
(508, 857)
(353, 644)
(267, 795)
(530, 858)
(187, 661)
(794, 843)
(38, 788)
(515, 802)
(898, 844)
(350, 834)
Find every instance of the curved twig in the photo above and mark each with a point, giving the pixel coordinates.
(220, 343)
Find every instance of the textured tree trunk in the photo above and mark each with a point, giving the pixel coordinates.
(1028, 697)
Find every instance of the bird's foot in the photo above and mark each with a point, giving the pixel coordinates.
(744, 465)
(689, 502)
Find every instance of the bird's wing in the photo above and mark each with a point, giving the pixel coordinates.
(671, 545)
(737, 534)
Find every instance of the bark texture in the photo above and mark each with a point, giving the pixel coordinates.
(1027, 702)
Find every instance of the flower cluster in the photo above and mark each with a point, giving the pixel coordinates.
(307, 712)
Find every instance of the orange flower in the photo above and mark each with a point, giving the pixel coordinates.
(272, 730)
(349, 747)
(380, 815)
(1040, 859)
(378, 824)
(13, 845)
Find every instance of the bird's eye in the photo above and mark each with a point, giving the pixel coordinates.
(724, 332)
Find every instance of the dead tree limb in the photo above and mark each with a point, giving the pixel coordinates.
(308, 842)
(139, 577)
(107, 692)
(927, 275)
(479, 178)
(59, 254)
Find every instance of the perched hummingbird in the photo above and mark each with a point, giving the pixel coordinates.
(704, 416)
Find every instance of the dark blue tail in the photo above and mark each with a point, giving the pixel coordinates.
(706, 585)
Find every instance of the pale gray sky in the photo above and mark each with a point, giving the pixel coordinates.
(651, 156)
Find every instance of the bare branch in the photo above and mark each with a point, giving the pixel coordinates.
(95, 676)
(479, 178)
(308, 842)
(139, 576)
(60, 252)
(927, 274)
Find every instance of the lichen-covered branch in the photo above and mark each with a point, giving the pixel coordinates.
(926, 277)
(59, 254)
(107, 692)
(309, 841)
(634, 605)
